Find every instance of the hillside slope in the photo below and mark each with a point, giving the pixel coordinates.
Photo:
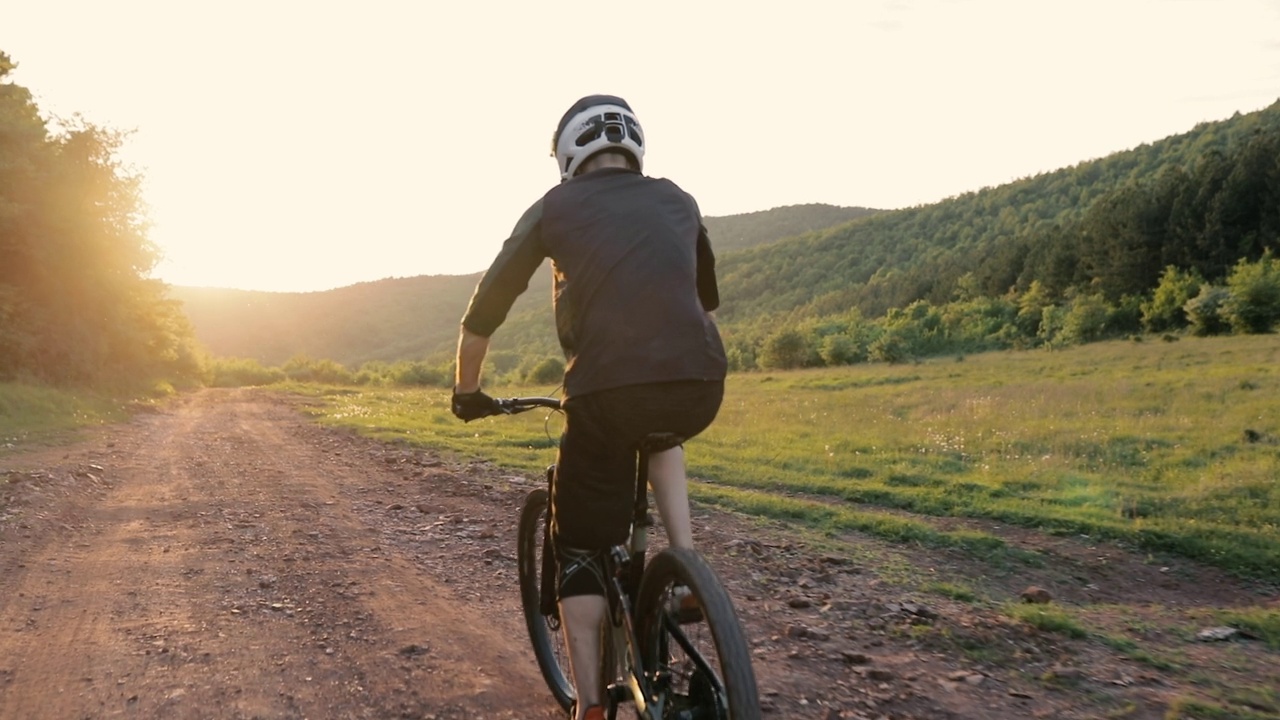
(417, 317)
(1004, 236)
(1200, 201)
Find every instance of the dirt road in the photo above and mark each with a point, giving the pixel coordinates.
(226, 558)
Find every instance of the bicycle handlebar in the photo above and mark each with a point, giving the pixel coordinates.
(517, 405)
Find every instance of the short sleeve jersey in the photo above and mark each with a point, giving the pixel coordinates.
(634, 280)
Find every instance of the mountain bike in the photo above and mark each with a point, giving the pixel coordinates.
(673, 645)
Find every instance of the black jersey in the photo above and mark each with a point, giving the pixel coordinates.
(634, 281)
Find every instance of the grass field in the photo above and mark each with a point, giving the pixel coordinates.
(32, 413)
(1167, 446)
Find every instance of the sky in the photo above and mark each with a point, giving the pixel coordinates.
(301, 146)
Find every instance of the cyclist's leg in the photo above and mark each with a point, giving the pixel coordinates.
(684, 409)
(591, 509)
(583, 618)
(671, 493)
(594, 489)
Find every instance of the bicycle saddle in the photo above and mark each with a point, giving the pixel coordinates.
(659, 441)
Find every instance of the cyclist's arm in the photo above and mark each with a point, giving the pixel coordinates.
(471, 351)
(508, 276)
(502, 283)
(708, 292)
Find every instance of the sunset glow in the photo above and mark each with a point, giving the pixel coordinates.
(300, 146)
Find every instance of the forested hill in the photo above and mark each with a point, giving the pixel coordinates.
(738, 232)
(393, 319)
(1065, 256)
(1200, 200)
(416, 317)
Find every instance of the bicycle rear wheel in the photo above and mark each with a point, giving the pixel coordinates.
(702, 669)
(544, 631)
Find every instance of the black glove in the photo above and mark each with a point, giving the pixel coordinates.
(473, 405)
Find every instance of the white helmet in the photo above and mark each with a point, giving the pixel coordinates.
(594, 124)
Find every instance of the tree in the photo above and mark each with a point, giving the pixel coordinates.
(1205, 311)
(77, 304)
(1031, 307)
(785, 350)
(1166, 308)
(893, 347)
(547, 371)
(1254, 303)
(1086, 320)
(841, 349)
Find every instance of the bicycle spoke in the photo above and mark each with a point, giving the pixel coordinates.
(695, 662)
(699, 659)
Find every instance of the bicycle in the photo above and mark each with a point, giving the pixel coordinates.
(653, 655)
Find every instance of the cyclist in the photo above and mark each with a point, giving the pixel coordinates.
(634, 287)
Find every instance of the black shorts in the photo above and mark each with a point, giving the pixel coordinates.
(596, 468)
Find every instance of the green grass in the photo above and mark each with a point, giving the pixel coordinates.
(1262, 623)
(1064, 621)
(1048, 618)
(1139, 443)
(1188, 708)
(954, 591)
(1131, 650)
(37, 414)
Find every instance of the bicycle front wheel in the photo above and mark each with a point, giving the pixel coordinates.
(694, 651)
(544, 630)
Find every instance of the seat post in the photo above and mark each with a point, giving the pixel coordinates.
(640, 521)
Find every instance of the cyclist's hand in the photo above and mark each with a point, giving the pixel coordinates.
(473, 405)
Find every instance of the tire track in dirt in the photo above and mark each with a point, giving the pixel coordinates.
(227, 576)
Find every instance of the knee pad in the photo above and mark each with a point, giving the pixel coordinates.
(581, 571)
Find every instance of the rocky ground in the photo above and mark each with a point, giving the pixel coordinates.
(224, 557)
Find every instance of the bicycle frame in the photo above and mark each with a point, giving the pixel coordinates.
(624, 568)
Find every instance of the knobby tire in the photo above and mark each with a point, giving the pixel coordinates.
(533, 519)
(679, 566)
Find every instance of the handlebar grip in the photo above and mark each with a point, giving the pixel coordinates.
(514, 405)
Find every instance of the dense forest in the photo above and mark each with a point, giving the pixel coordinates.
(77, 304)
(1199, 201)
(1008, 266)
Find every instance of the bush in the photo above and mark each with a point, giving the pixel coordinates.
(785, 350)
(1052, 320)
(374, 372)
(1086, 321)
(417, 373)
(841, 349)
(891, 347)
(242, 372)
(1166, 310)
(983, 323)
(548, 370)
(501, 363)
(1126, 317)
(1254, 303)
(1204, 311)
(304, 369)
(1032, 305)
(741, 355)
